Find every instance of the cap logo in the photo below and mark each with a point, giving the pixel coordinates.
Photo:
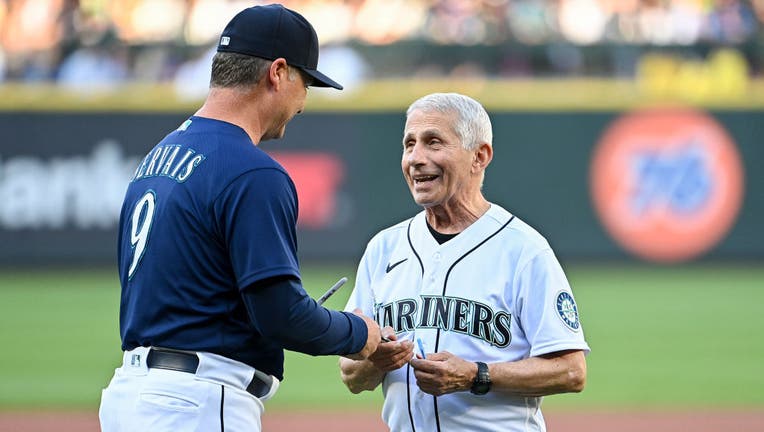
(273, 31)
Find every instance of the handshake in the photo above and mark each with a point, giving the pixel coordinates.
(374, 333)
(374, 337)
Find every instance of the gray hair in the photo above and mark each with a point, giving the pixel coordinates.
(237, 70)
(240, 70)
(471, 124)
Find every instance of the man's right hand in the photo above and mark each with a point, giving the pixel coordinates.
(373, 337)
(390, 356)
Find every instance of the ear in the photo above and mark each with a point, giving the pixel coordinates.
(278, 72)
(482, 156)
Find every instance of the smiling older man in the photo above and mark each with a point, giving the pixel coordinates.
(477, 290)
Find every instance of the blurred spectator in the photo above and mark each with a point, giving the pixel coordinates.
(582, 21)
(31, 25)
(345, 65)
(3, 15)
(97, 67)
(147, 21)
(155, 39)
(381, 22)
(529, 21)
(332, 19)
(2, 65)
(192, 80)
(206, 17)
(731, 21)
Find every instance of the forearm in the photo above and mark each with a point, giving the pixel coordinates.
(562, 372)
(360, 375)
(281, 310)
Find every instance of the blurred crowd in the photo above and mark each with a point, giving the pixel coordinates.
(92, 43)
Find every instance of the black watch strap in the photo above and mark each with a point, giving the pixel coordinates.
(482, 383)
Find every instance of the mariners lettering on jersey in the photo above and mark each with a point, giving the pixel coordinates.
(454, 314)
(169, 161)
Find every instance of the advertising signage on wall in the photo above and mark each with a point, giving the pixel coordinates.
(80, 192)
(62, 184)
(667, 184)
(85, 192)
(317, 175)
(657, 186)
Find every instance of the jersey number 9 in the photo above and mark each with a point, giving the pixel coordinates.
(140, 227)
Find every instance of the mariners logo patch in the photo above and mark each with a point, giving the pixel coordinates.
(567, 310)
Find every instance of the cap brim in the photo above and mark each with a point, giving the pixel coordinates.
(321, 80)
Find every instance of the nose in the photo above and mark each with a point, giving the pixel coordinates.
(416, 155)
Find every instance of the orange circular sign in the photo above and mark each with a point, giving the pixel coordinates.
(666, 184)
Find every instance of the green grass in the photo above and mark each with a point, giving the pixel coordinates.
(671, 337)
(661, 337)
(58, 333)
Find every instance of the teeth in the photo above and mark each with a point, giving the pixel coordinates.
(425, 178)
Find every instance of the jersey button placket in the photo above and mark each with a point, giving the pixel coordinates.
(434, 268)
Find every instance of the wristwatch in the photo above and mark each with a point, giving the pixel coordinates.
(482, 382)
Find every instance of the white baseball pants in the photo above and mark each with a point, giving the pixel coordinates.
(157, 400)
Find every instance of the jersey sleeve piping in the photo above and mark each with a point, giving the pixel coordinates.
(562, 346)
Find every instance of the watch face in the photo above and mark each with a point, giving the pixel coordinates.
(482, 382)
(480, 388)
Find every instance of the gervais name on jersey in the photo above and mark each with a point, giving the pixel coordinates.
(453, 314)
(163, 161)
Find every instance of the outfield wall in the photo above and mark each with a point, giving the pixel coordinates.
(63, 174)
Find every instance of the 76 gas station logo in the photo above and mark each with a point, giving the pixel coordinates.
(667, 185)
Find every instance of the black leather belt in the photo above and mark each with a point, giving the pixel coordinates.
(182, 361)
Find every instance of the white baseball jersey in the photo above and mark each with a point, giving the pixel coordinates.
(493, 293)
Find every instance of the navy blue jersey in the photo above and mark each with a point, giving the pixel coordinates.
(206, 215)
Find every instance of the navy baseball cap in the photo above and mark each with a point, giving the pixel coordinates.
(273, 31)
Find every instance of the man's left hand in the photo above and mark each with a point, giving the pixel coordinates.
(443, 373)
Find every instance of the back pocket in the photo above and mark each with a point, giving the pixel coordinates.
(170, 401)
